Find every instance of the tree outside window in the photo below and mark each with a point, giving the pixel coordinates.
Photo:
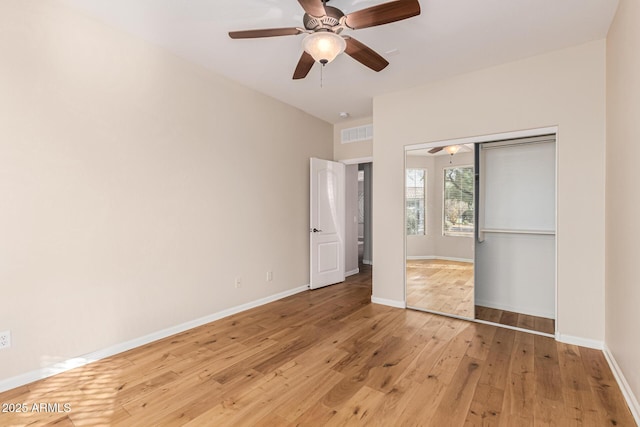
(415, 195)
(458, 209)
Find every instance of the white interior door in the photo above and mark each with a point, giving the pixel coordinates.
(326, 226)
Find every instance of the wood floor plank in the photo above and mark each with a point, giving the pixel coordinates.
(397, 404)
(317, 415)
(519, 393)
(421, 368)
(359, 409)
(330, 357)
(456, 400)
(480, 346)
(178, 409)
(498, 357)
(486, 406)
(547, 369)
(302, 399)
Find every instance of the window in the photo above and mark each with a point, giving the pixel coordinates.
(415, 201)
(458, 212)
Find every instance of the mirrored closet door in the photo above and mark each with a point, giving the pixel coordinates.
(439, 223)
(480, 221)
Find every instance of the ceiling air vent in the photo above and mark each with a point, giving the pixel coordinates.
(360, 133)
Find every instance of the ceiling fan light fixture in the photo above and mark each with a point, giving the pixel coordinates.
(324, 46)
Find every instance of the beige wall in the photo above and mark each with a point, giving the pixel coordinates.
(565, 88)
(623, 192)
(135, 187)
(352, 150)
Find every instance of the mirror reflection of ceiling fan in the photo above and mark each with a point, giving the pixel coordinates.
(451, 149)
(323, 25)
(448, 149)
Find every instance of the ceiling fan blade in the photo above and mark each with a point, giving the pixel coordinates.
(436, 150)
(267, 32)
(383, 14)
(313, 7)
(364, 54)
(304, 66)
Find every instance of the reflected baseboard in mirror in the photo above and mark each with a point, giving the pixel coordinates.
(518, 320)
(441, 286)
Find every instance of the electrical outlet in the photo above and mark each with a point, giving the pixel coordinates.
(238, 282)
(5, 339)
(269, 276)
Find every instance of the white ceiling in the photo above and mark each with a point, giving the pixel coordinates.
(449, 37)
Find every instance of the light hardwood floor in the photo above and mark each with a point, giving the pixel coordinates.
(439, 285)
(330, 357)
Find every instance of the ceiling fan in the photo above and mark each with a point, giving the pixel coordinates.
(323, 25)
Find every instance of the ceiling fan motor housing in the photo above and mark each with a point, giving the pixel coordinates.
(330, 20)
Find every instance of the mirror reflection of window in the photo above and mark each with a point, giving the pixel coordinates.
(458, 199)
(415, 196)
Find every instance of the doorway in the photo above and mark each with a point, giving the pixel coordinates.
(358, 236)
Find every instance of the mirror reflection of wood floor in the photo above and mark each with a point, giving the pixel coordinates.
(441, 285)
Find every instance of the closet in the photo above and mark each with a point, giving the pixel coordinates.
(515, 239)
(497, 263)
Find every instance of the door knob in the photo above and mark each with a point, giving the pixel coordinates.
(315, 230)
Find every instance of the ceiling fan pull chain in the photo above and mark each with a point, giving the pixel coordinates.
(321, 75)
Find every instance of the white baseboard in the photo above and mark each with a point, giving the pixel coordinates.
(632, 400)
(352, 272)
(389, 302)
(75, 362)
(583, 342)
(507, 307)
(367, 262)
(443, 258)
